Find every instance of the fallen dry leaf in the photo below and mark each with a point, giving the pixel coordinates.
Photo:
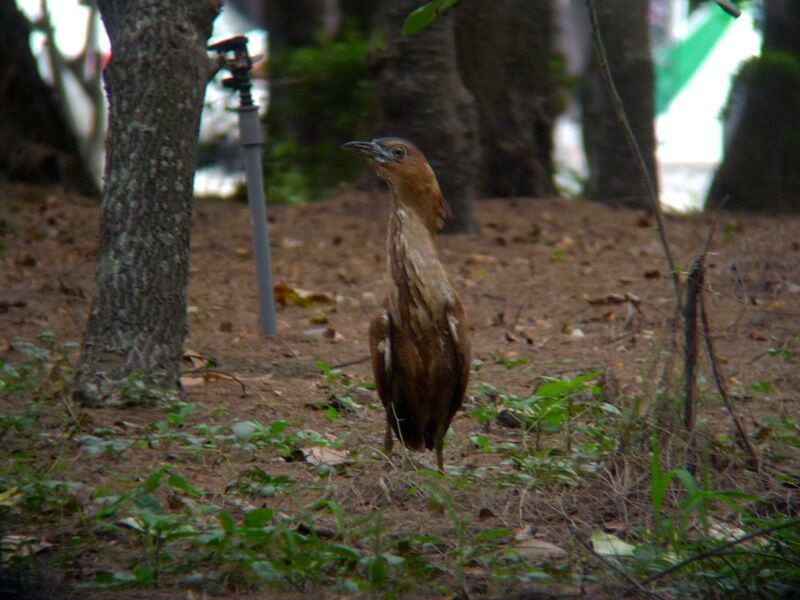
(612, 298)
(11, 497)
(524, 533)
(317, 455)
(285, 294)
(318, 319)
(328, 333)
(21, 546)
(539, 550)
(606, 544)
(482, 259)
(198, 360)
(291, 243)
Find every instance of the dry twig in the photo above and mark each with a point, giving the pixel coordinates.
(639, 586)
(633, 145)
(737, 421)
(694, 285)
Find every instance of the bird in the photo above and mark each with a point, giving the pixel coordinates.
(418, 339)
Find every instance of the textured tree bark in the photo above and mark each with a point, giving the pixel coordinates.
(505, 58)
(613, 175)
(36, 143)
(155, 84)
(423, 99)
(760, 169)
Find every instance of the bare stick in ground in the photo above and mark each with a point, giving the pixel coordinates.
(694, 285)
(718, 379)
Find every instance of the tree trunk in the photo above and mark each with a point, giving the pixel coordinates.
(782, 26)
(613, 175)
(291, 24)
(155, 84)
(505, 59)
(36, 143)
(422, 98)
(760, 169)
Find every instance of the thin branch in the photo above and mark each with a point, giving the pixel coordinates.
(713, 227)
(202, 371)
(721, 549)
(612, 566)
(633, 145)
(350, 363)
(729, 8)
(694, 285)
(715, 370)
(775, 557)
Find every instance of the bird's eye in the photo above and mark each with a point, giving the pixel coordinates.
(399, 151)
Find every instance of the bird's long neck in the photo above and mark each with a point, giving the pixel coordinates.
(419, 289)
(418, 211)
(422, 198)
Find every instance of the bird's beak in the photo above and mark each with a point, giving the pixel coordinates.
(371, 150)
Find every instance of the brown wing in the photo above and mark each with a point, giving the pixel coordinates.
(459, 331)
(380, 350)
(395, 380)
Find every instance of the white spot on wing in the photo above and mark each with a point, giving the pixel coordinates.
(453, 323)
(385, 347)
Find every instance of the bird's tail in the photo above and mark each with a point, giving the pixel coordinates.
(407, 428)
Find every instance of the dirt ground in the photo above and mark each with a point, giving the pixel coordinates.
(569, 286)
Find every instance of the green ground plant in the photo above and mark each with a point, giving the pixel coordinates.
(158, 529)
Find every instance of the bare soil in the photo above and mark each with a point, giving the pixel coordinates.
(570, 286)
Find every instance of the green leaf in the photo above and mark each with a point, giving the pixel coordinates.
(345, 552)
(277, 427)
(179, 483)
(145, 576)
(226, 520)
(377, 572)
(688, 481)
(490, 534)
(147, 502)
(393, 559)
(610, 408)
(265, 570)
(153, 481)
(258, 517)
(420, 18)
(104, 578)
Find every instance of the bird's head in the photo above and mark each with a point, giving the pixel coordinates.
(406, 171)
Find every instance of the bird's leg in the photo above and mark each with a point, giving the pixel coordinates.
(388, 441)
(440, 456)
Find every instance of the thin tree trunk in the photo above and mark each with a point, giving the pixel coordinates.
(36, 142)
(155, 84)
(505, 58)
(613, 175)
(761, 166)
(423, 99)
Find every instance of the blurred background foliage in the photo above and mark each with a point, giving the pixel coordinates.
(323, 96)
